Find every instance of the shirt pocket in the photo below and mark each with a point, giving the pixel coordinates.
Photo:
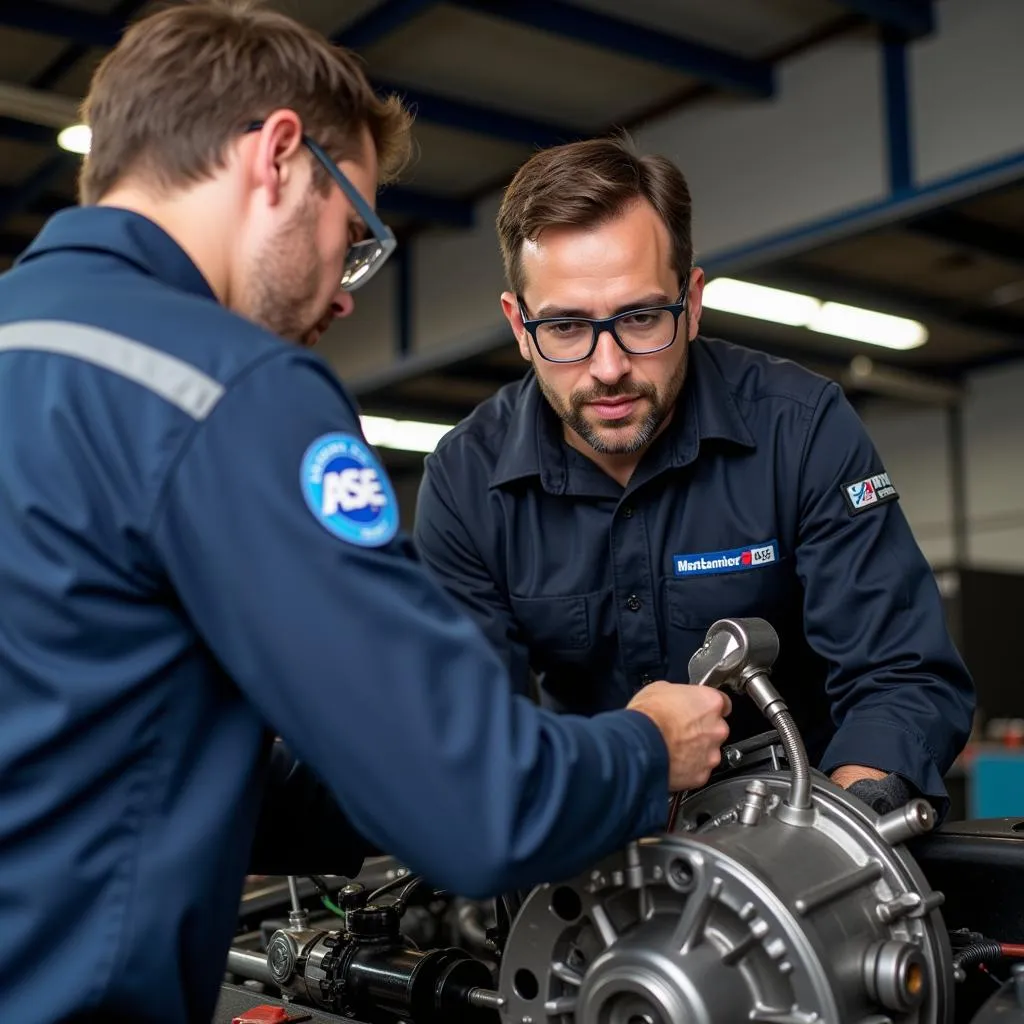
(693, 603)
(554, 628)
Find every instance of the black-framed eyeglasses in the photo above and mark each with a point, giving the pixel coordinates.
(364, 258)
(640, 332)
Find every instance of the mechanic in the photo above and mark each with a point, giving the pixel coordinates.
(643, 481)
(202, 554)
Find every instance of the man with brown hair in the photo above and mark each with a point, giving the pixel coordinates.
(201, 552)
(643, 481)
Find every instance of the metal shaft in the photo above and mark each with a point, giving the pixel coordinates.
(485, 998)
(293, 891)
(738, 654)
(249, 965)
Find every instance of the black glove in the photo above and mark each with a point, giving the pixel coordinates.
(883, 795)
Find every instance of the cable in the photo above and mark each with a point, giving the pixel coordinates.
(984, 950)
(977, 953)
(388, 886)
(326, 901)
(325, 895)
(404, 895)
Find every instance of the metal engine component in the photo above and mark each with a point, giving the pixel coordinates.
(370, 973)
(780, 898)
(738, 654)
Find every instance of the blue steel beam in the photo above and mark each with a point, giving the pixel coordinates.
(12, 245)
(379, 22)
(715, 67)
(897, 116)
(954, 228)
(393, 200)
(910, 18)
(82, 27)
(22, 196)
(404, 299)
(66, 60)
(44, 205)
(407, 202)
(23, 131)
(468, 117)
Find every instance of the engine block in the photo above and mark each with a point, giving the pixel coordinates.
(776, 898)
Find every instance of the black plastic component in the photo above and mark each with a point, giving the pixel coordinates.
(978, 866)
(428, 988)
(374, 923)
(1005, 1007)
(351, 896)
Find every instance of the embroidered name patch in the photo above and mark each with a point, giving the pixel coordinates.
(736, 560)
(864, 494)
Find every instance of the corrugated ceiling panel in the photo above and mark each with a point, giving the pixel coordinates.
(535, 74)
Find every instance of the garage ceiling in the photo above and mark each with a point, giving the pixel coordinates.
(492, 80)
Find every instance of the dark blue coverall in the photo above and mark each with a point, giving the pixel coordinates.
(199, 551)
(763, 497)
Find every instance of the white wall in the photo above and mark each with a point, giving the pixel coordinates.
(913, 442)
(967, 82)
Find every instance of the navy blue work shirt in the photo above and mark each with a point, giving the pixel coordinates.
(200, 551)
(764, 496)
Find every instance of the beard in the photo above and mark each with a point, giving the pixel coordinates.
(283, 280)
(627, 436)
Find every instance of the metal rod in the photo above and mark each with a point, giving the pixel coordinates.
(486, 998)
(957, 482)
(249, 965)
(827, 892)
(293, 889)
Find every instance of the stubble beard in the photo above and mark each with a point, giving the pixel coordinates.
(284, 279)
(626, 438)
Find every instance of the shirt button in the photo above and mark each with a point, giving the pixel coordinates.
(633, 603)
(627, 512)
(646, 680)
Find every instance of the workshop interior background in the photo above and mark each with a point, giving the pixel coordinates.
(865, 152)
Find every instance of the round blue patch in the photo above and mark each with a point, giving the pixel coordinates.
(348, 491)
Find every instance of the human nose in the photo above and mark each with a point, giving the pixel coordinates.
(343, 305)
(608, 363)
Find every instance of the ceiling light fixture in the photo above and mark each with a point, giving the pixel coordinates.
(76, 138)
(403, 435)
(795, 310)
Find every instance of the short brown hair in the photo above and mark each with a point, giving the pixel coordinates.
(165, 102)
(583, 184)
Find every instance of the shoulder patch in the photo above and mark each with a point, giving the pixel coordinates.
(860, 495)
(348, 491)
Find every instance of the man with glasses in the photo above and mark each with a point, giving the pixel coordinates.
(643, 481)
(201, 553)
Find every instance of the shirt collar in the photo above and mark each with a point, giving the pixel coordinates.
(706, 410)
(121, 233)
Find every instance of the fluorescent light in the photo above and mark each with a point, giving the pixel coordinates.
(405, 435)
(75, 139)
(755, 300)
(868, 326)
(796, 310)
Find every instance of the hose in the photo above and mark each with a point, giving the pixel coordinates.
(984, 951)
(796, 754)
(977, 953)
